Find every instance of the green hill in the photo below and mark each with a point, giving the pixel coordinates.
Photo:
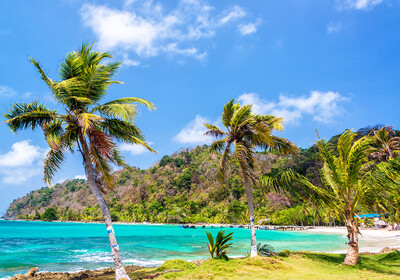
(181, 188)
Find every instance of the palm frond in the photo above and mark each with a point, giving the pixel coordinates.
(124, 132)
(229, 109)
(223, 163)
(241, 117)
(214, 130)
(102, 167)
(53, 131)
(22, 115)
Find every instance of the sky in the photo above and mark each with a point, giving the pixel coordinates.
(320, 64)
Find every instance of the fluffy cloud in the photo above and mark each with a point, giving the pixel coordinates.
(250, 28)
(21, 162)
(358, 4)
(321, 106)
(134, 149)
(193, 133)
(145, 28)
(21, 154)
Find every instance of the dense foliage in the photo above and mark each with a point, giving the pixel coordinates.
(183, 188)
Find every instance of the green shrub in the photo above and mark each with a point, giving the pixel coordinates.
(50, 214)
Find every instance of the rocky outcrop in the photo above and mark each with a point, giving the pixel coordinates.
(81, 275)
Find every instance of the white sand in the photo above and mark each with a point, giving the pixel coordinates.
(371, 240)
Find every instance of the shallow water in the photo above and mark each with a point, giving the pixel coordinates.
(57, 246)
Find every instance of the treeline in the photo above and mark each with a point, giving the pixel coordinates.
(183, 188)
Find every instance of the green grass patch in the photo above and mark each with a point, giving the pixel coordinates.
(290, 265)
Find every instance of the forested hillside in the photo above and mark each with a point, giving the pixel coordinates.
(180, 188)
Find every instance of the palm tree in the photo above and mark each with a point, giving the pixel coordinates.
(245, 132)
(86, 125)
(386, 144)
(349, 179)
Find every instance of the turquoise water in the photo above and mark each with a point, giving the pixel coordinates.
(57, 246)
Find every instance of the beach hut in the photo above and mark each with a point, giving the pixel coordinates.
(379, 224)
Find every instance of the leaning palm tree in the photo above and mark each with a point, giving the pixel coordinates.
(349, 179)
(246, 132)
(86, 125)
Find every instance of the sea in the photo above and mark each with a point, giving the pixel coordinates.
(71, 247)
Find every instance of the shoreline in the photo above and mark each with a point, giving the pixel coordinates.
(371, 240)
(106, 273)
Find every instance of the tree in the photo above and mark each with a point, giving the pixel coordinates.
(86, 125)
(246, 132)
(348, 178)
(386, 144)
(50, 214)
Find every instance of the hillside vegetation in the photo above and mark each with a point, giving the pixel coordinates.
(181, 188)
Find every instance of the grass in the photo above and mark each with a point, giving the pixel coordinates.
(291, 265)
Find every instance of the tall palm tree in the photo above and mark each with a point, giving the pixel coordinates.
(349, 179)
(86, 125)
(246, 132)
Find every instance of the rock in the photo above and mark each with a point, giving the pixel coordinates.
(387, 250)
(81, 275)
(19, 277)
(32, 271)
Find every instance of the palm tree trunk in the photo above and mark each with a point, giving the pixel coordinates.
(120, 272)
(352, 235)
(247, 184)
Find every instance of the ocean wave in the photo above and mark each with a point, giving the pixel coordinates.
(106, 257)
(100, 257)
(79, 251)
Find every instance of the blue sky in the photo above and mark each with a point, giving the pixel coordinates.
(326, 65)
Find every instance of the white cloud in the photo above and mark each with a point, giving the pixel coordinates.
(6, 91)
(333, 27)
(357, 4)
(235, 13)
(193, 133)
(21, 162)
(134, 149)
(127, 62)
(250, 28)
(17, 176)
(146, 29)
(21, 154)
(81, 177)
(321, 106)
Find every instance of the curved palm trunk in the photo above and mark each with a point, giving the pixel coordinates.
(352, 235)
(120, 272)
(247, 184)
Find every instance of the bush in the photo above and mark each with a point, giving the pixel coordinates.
(50, 214)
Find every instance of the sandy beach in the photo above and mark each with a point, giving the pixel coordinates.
(371, 240)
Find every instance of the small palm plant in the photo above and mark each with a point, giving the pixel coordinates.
(265, 250)
(221, 246)
(85, 125)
